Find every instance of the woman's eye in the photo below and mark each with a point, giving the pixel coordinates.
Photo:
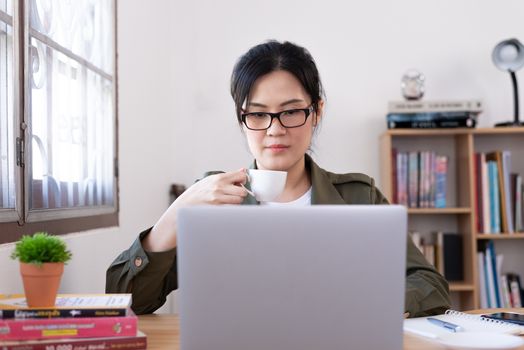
(259, 115)
(290, 113)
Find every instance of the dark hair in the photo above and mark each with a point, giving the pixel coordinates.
(272, 56)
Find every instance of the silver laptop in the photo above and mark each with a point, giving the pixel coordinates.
(298, 278)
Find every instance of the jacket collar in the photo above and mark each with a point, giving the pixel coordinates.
(323, 191)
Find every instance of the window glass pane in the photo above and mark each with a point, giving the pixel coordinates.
(7, 152)
(6, 6)
(81, 26)
(72, 113)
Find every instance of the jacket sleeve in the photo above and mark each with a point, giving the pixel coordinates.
(149, 276)
(427, 292)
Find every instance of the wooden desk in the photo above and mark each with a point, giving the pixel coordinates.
(163, 333)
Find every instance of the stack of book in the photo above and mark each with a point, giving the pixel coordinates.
(497, 289)
(499, 194)
(433, 114)
(419, 179)
(77, 322)
(442, 250)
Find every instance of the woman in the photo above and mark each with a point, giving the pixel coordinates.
(278, 96)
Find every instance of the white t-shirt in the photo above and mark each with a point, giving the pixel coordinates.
(303, 201)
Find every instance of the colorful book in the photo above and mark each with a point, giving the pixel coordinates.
(394, 175)
(519, 220)
(413, 179)
(490, 279)
(482, 281)
(493, 257)
(138, 342)
(67, 305)
(486, 214)
(478, 192)
(515, 289)
(55, 328)
(502, 160)
(494, 196)
(441, 169)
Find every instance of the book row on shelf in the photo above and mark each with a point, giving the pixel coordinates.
(497, 289)
(77, 322)
(444, 251)
(419, 179)
(499, 194)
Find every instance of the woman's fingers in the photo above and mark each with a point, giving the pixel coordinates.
(239, 176)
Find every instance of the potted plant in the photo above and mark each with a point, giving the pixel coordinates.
(42, 258)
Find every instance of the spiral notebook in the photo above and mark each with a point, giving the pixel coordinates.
(469, 323)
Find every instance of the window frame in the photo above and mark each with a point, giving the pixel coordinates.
(19, 221)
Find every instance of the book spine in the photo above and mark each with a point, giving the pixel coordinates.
(493, 256)
(494, 197)
(437, 123)
(394, 171)
(440, 186)
(28, 329)
(506, 168)
(413, 179)
(476, 193)
(482, 281)
(518, 203)
(492, 299)
(120, 343)
(452, 245)
(514, 285)
(405, 165)
(432, 173)
(505, 291)
(486, 225)
(61, 313)
(439, 106)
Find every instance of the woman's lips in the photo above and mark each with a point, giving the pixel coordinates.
(277, 148)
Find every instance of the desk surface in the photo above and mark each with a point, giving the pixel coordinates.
(163, 333)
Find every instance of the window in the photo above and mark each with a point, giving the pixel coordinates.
(58, 166)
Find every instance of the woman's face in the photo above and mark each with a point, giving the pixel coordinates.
(279, 148)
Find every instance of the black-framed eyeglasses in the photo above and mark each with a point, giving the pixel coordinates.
(290, 118)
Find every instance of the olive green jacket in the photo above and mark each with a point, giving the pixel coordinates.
(151, 276)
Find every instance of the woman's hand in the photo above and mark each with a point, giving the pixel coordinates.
(223, 188)
(216, 189)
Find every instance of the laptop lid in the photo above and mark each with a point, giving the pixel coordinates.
(297, 278)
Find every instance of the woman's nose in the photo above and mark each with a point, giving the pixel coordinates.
(276, 128)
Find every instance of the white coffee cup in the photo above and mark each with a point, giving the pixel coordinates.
(267, 185)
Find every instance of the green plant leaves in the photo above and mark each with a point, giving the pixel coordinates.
(41, 248)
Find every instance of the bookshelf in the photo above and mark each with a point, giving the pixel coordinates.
(459, 215)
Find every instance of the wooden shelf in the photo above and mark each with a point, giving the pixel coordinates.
(460, 145)
(428, 132)
(500, 236)
(497, 131)
(456, 131)
(461, 287)
(432, 211)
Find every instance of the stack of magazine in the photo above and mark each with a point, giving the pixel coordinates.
(77, 322)
(433, 114)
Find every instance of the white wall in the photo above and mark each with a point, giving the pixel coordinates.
(177, 118)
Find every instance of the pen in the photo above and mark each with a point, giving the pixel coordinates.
(449, 326)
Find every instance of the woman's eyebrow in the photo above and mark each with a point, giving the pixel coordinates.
(288, 102)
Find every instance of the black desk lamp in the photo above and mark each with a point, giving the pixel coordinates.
(508, 55)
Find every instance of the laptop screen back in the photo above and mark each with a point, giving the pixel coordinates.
(318, 277)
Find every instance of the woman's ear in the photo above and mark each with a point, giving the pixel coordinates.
(319, 113)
